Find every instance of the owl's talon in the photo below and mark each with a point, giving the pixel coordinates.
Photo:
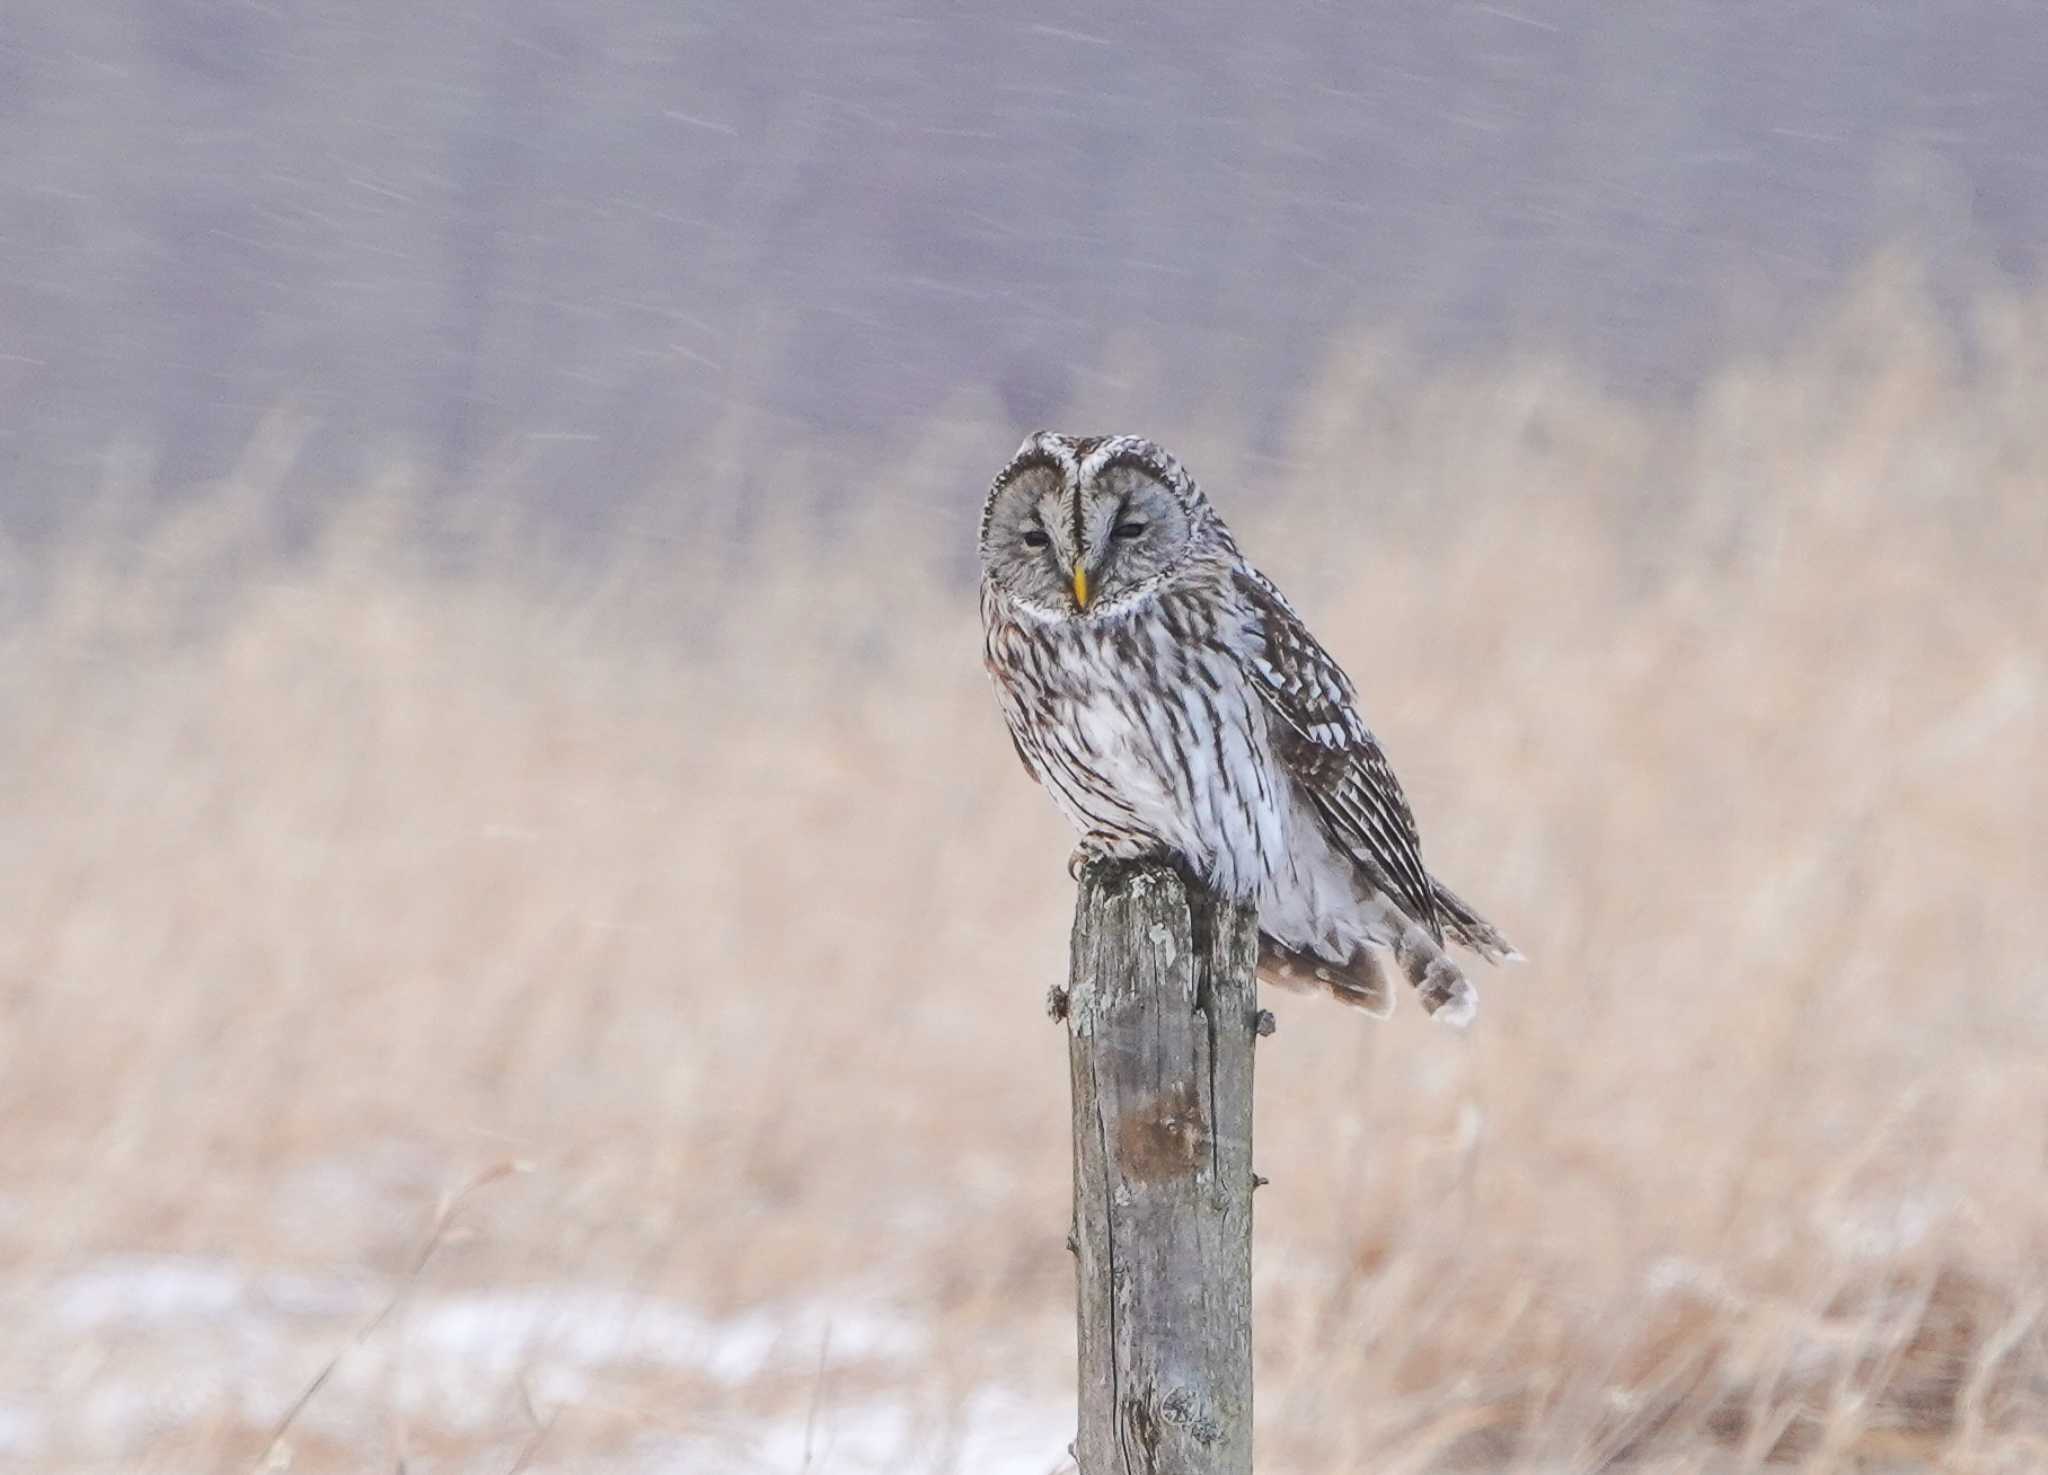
(1085, 854)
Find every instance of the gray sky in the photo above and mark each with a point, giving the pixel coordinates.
(436, 228)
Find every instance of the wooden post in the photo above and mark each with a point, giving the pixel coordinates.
(1161, 1014)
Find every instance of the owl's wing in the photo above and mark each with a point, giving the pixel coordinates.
(1328, 750)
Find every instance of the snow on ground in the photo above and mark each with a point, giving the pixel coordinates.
(137, 1349)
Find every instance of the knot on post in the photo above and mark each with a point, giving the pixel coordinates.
(1166, 1136)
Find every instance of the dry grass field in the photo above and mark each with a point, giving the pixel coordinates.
(469, 1008)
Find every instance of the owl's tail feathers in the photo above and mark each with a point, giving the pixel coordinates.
(1361, 982)
(1466, 927)
(1365, 979)
(1446, 993)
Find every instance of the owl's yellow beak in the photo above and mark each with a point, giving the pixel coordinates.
(1081, 587)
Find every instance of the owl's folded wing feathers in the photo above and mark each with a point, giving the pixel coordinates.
(1329, 751)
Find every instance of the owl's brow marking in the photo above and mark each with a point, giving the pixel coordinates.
(1022, 464)
(1135, 462)
(1024, 461)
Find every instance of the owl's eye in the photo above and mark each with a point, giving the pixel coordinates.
(1128, 530)
(1036, 538)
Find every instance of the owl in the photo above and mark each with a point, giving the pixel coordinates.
(1170, 699)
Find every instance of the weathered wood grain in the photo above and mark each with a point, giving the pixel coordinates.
(1162, 1012)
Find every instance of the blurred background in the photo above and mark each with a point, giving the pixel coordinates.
(525, 941)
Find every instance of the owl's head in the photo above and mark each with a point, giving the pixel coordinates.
(1080, 527)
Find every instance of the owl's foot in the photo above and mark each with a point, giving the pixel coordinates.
(1095, 848)
(1091, 849)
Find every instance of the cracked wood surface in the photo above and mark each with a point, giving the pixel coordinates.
(1162, 1014)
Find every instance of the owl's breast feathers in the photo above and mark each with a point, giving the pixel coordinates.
(1145, 731)
(1187, 721)
(1208, 722)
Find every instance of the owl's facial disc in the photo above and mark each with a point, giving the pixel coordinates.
(1062, 551)
(1028, 546)
(1134, 532)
